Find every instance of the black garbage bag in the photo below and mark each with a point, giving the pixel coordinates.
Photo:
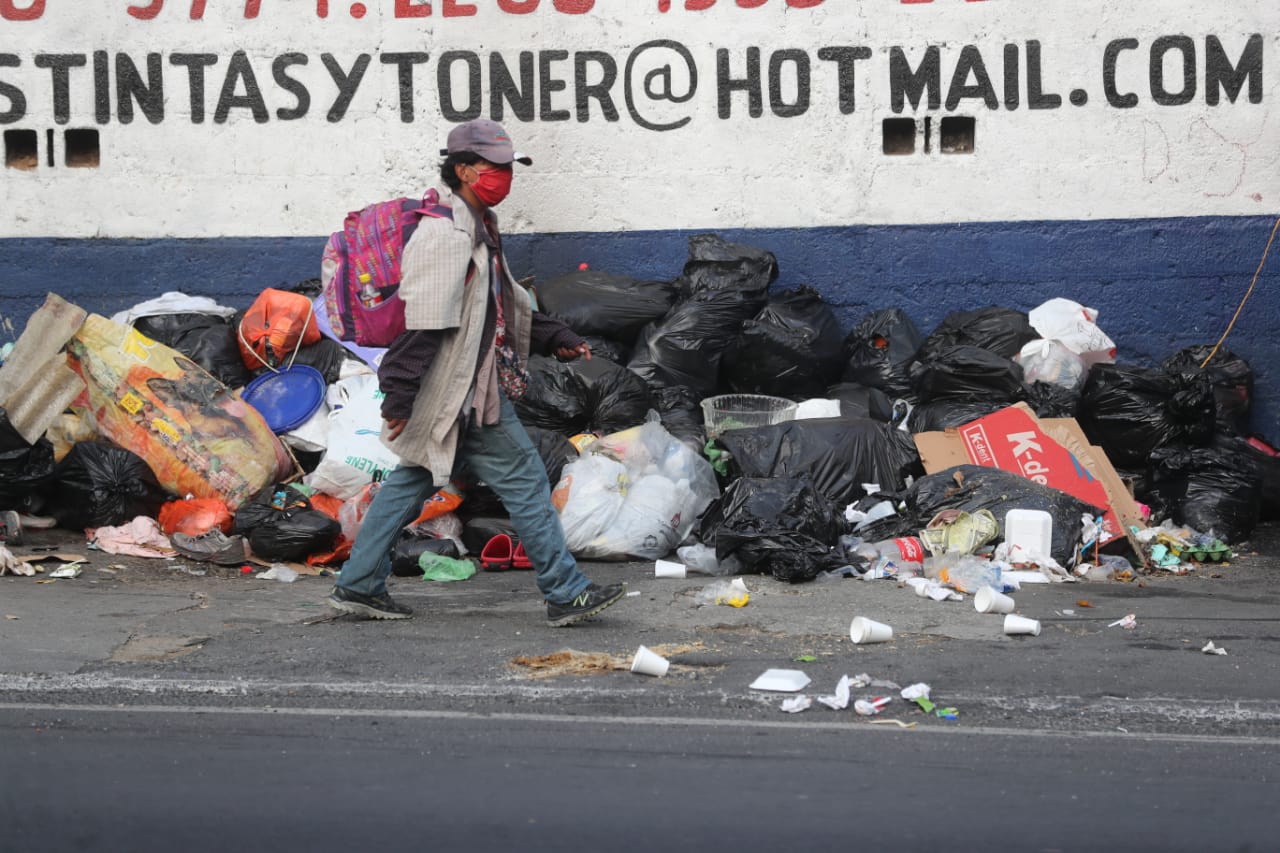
(879, 350)
(1231, 379)
(1267, 458)
(715, 264)
(619, 352)
(616, 398)
(973, 487)
(408, 548)
(680, 411)
(555, 398)
(289, 531)
(1131, 411)
(837, 455)
(98, 484)
(964, 372)
(555, 451)
(1212, 489)
(778, 526)
(599, 303)
(792, 348)
(26, 470)
(206, 339)
(945, 414)
(1002, 331)
(862, 401)
(325, 355)
(1051, 401)
(687, 346)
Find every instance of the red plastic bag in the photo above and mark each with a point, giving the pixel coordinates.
(276, 325)
(195, 516)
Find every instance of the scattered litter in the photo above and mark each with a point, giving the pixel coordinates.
(1211, 649)
(70, 570)
(796, 704)
(278, 572)
(840, 699)
(1128, 622)
(632, 594)
(649, 662)
(899, 723)
(871, 707)
(781, 681)
(11, 616)
(805, 658)
(734, 593)
(570, 662)
(1084, 603)
(916, 691)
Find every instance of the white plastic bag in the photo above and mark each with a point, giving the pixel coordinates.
(588, 497)
(1051, 362)
(355, 450)
(1073, 325)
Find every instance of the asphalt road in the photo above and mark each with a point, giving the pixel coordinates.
(116, 779)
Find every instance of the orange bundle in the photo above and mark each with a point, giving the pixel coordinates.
(275, 327)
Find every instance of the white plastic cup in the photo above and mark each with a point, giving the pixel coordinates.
(1014, 624)
(864, 630)
(648, 662)
(668, 569)
(988, 600)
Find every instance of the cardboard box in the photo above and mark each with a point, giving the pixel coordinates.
(1052, 452)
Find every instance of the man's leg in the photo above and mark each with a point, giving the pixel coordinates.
(362, 583)
(503, 456)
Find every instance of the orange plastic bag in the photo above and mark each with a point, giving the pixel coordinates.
(195, 516)
(276, 326)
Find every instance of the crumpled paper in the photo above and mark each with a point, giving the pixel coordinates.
(796, 704)
(840, 699)
(1129, 622)
(1211, 649)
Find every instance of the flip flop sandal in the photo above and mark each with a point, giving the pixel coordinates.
(497, 555)
(519, 559)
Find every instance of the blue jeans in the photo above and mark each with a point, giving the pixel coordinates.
(503, 457)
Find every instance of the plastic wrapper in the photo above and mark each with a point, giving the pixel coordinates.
(964, 372)
(195, 435)
(778, 526)
(879, 350)
(1002, 331)
(102, 485)
(599, 303)
(1231, 379)
(1132, 411)
(837, 455)
(792, 348)
(1216, 490)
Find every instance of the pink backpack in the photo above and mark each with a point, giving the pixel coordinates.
(360, 270)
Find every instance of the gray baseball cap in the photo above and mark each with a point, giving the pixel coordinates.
(487, 138)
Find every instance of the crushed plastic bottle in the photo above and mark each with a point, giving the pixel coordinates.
(902, 557)
(964, 572)
(701, 559)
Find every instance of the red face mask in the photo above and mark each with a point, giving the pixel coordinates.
(492, 186)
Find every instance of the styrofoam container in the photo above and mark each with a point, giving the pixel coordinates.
(1032, 529)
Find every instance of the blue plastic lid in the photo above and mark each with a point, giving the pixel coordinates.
(286, 400)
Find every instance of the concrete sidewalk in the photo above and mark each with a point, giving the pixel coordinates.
(140, 631)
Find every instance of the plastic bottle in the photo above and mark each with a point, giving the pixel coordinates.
(964, 572)
(702, 559)
(900, 557)
(370, 296)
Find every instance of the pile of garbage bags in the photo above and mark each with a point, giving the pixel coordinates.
(185, 406)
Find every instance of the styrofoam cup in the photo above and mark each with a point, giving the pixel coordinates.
(864, 630)
(1014, 624)
(988, 600)
(648, 662)
(668, 569)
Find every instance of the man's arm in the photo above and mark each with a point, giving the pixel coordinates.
(401, 372)
(548, 336)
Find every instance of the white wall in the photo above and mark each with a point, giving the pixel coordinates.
(179, 178)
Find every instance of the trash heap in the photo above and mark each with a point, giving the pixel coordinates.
(734, 424)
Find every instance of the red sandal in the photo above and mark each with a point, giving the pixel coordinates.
(497, 555)
(519, 559)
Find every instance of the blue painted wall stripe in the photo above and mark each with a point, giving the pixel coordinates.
(1159, 284)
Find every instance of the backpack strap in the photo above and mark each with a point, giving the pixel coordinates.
(432, 207)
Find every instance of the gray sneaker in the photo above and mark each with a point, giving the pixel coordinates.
(211, 547)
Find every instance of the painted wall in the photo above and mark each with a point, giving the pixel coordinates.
(934, 155)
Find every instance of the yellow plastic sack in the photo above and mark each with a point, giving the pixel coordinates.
(197, 437)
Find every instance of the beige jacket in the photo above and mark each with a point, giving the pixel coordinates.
(438, 295)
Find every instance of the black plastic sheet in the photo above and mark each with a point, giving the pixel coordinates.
(99, 484)
(792, 348)
(1231, 379)
(837, 455)
(1131, 411)
(206, 339)
(1215, 490)
(879, 350)
(600, 303)
(408, 548)
(778, 526)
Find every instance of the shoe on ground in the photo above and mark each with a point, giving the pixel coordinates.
(370, 606)
(10, 528)
(211, 547)
(589, 603)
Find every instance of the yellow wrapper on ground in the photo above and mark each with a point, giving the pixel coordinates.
(197, 437)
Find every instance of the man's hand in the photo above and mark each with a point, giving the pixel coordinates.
(571, 353)
(395, 426)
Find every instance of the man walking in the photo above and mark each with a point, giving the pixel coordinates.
(448, 381)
